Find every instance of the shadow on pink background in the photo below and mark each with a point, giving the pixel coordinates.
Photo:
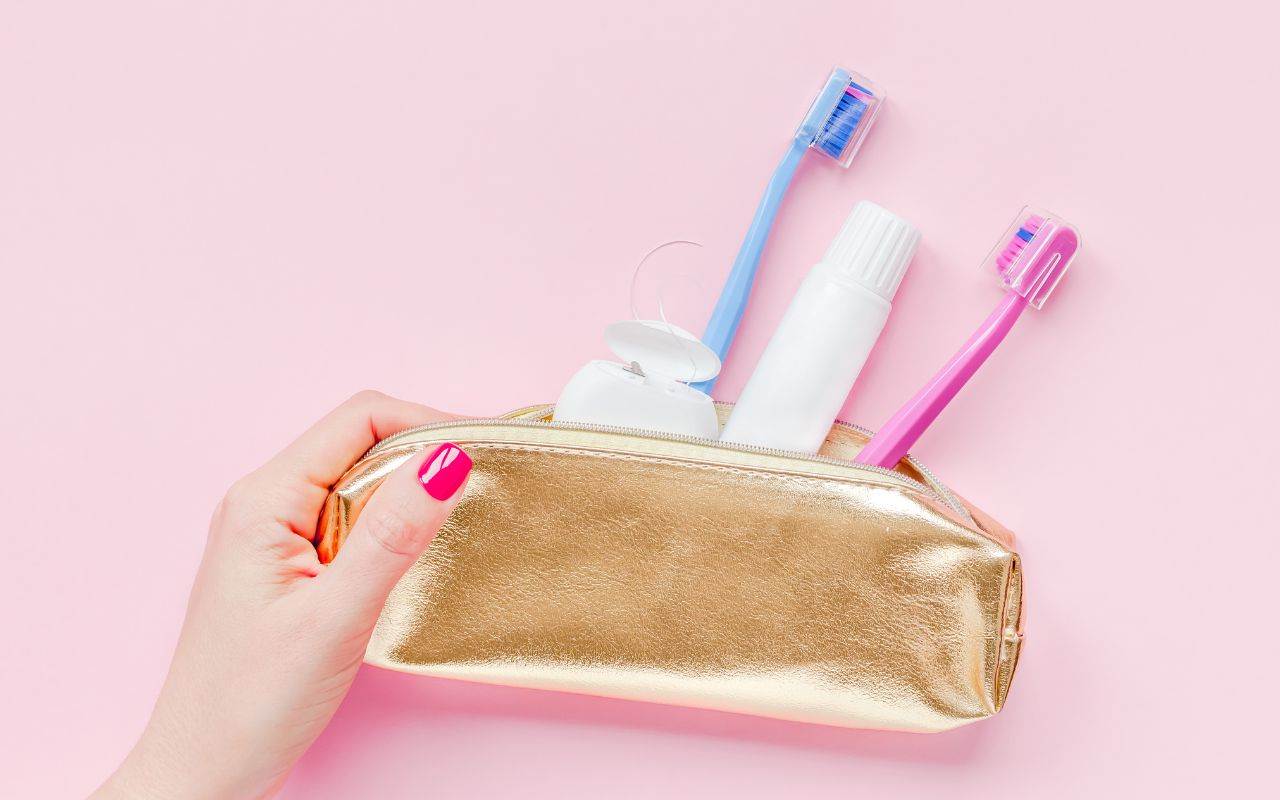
(219, 220)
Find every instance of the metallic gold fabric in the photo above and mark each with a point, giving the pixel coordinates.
(652, 569)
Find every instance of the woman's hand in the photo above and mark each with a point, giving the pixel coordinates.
(272, 637)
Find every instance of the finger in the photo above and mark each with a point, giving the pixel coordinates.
(322, 454)
(400, 520)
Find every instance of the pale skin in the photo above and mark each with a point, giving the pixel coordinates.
(273, 638)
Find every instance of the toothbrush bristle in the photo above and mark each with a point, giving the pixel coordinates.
(844, 120)
(1018, 243)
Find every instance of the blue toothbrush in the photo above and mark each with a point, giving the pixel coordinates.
(836, 124)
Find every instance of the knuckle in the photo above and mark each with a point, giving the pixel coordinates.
(239, 497)
(393, 528)
(365, 398)
(243, 507)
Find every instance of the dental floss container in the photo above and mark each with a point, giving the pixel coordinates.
(650, 390)
(814, 357)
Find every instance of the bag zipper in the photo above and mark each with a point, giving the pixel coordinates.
(936, 490)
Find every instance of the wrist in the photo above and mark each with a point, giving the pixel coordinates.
(135, 778)
(158, 769)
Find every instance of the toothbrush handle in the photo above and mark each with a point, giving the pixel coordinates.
(891, 443)
(737, 288)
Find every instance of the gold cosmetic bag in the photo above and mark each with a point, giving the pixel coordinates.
(651, 567)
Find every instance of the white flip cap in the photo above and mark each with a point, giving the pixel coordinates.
(662, 348)
(873, 248)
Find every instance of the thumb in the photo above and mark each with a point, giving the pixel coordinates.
(396, 525)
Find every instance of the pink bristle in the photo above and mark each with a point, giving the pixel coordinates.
(853, 91)
(1015, 246)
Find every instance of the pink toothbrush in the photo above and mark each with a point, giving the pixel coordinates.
(1030, 260)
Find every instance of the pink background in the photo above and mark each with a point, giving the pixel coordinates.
(218, 220)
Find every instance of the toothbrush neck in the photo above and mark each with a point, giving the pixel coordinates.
(996, 327)
(971, 356)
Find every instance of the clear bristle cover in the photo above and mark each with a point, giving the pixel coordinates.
(1033, 254)
(849, 115)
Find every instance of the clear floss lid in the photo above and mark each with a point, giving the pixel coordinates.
(661, 349)
(668, 284)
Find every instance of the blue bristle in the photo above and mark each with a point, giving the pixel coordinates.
(844, 120)
(1025, 235)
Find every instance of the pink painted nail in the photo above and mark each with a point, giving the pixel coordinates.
(444, 472)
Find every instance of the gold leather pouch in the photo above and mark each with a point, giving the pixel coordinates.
(651, 567)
